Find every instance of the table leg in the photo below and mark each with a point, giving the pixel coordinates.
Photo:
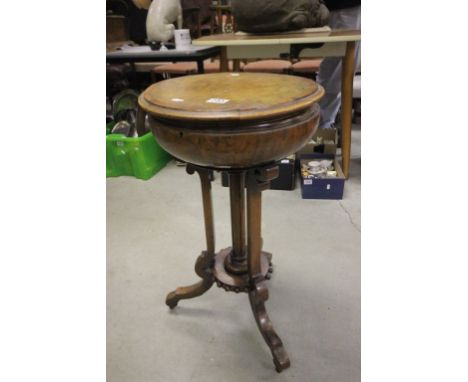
(346, 104)
(204, 263)
(206, 177)
(200, 67)
(236, 65)
(258, 294)
(223, 60)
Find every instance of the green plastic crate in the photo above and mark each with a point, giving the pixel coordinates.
(141, 157)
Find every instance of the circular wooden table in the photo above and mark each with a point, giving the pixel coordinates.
(240, 123)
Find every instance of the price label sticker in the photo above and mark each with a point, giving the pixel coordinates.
(308, 181)
(219, 101)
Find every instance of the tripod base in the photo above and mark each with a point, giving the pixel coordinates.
(244, 267)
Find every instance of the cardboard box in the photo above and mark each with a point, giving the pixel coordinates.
(322, 188)
(329, 139)
(286, 179)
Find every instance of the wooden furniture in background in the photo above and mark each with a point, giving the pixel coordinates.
(335, 43)
(240, 123)
(116, 29)
(192, 21)
(222, 20)
(307, 68)
(176, 69)
(268, 66)
(186, 68)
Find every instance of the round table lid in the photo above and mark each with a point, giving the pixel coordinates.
(230, 96)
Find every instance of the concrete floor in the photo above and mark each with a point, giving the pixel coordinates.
(155, 233)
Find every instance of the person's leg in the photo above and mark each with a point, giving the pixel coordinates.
(329, 75)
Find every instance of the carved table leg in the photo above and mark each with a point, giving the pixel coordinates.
(203, 268)
(204, 263)
(257, 181)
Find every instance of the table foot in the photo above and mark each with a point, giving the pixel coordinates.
(257, 296)
(203, 268)
(183, 293)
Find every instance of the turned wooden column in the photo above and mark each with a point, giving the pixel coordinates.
(237, 261)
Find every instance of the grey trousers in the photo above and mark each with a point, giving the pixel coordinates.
(329, 75)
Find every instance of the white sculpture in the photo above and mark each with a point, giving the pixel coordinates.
(161, 16)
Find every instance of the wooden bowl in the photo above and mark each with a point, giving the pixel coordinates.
(232, 120)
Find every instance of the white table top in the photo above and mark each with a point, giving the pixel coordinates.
(232, 39)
